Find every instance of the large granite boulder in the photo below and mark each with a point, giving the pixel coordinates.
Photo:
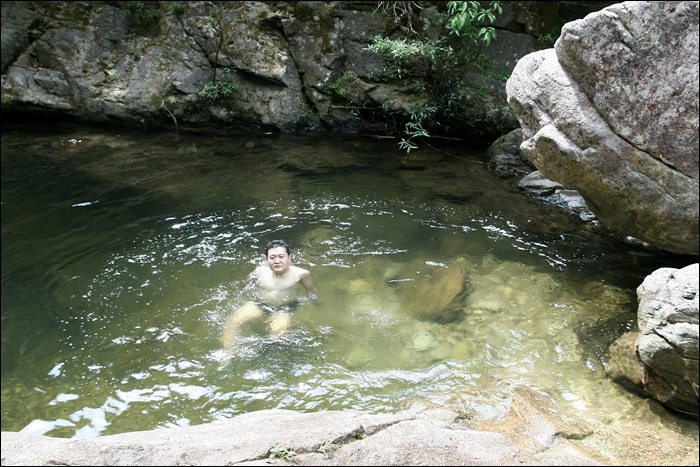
(668, 342)
(612, 111)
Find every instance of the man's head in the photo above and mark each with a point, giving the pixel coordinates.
(278, 257)
(277, 243)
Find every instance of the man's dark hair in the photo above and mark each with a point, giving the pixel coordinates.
(275, 244)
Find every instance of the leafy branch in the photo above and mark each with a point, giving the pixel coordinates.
(465, 16)
(436, 68)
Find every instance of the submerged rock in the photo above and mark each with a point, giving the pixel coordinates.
(432, 292)
(423, 340)
(623, 366)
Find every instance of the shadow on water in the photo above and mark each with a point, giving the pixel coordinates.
(124, 252)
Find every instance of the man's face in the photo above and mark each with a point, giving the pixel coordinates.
(278, 260)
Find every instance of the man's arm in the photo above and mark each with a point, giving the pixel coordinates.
(305, 279)
(253, 277)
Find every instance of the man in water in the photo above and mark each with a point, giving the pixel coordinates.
(277, 281)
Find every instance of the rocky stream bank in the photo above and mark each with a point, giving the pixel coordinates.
(422, 435)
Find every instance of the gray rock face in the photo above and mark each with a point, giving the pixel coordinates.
(420, 437)
(668, 342)
(93, 61)
(612, 112)
(83, 59)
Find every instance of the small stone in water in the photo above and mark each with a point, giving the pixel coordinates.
(423, 341)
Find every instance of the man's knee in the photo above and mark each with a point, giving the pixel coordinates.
(248, 311)
(279, 324)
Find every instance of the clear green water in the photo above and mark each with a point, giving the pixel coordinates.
(123, 254)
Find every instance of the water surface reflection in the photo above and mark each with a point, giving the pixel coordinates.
(123, 254)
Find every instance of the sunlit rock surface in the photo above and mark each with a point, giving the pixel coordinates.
(424, 435)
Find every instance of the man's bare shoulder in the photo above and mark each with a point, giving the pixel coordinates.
(301, 272)
(259, 272)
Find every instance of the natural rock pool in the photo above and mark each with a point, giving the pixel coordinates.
(123, 253)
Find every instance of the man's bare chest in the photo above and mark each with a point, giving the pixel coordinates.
(271, 281)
